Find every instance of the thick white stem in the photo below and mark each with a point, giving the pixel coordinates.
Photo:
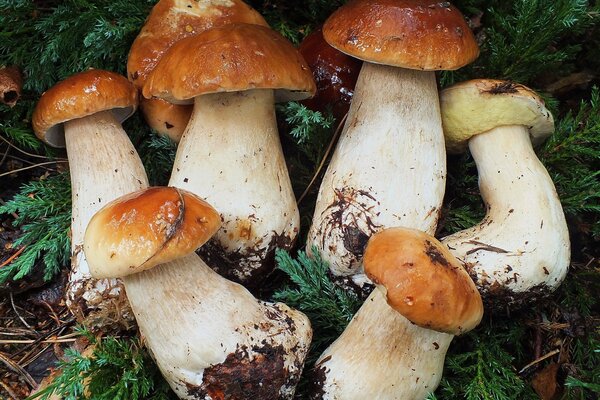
(381, 355)
(103, 165)
(231, 156)
(389, 167)
(521, 248)
(212, 339)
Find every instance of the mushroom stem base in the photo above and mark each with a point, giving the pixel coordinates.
(381, 355)
(103, 165)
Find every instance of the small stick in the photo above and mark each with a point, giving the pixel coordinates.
(9, 390)
(30, 167)
(329, 147)
(12, 301)
(542, 358)
(11, 258)
(18, 369)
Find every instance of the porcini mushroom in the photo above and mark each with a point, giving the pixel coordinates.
(389, 166)
(335, 74)
(11, 85)
(520, 250)
(209, 336)
(168, 22)
(394, 347)
(230, 153)
(84, 113)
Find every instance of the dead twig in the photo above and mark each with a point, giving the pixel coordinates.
(16, 368)
(540, 359)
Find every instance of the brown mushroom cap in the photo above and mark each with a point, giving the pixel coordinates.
(231, 58)
(415, 34)
(423, 281)
(166, 118)
(142, 229)
(172, 20)
(479, 105)
(78, 96)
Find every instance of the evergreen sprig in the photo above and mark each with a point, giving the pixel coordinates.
(485, 369)
(118, 368)
(44, 215)
(520, 38)
(329, 307)
(53, 41)
(572, 157)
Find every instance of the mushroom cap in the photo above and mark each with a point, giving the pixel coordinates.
(231, 58)
(415, 34)
(476, 106)
(145, 228)
(335, 74)
(423, 281)
(78, 96)
(165, 118)
(172, 20)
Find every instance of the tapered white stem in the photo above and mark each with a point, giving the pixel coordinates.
(389, 167)
(381, 355)
(521, 248)
(212, 339)
(231, 156)
(104, 165)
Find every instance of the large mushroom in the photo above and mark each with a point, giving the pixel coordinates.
(389, 166)
(168, 22)
(230, 153)
(209, 336)
(520, 250)
(84, 113)
(394, 347)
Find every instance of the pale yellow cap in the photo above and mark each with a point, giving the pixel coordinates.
(473, 107)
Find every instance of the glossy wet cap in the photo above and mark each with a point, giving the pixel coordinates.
(165, 118)
(423, 281)
(78, 96)
(476, 106)
(172, 20)
(335, 74)
(414, 34)
(231, 58)
(149, 227)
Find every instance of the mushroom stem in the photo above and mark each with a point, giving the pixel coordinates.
(231, 156)
(212, 339)
(522, 244)
(381, 355)
(389, 167)
(103, 165)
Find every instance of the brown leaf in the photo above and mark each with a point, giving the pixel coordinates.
(545, 383)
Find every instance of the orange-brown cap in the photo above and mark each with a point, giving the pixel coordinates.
(152, 226)
(231, 58)
(417, 34)
(78, 96)
(165, 118)
(172, 20)
(423, 281)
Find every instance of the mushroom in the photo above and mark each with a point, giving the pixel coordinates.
(389, 166)
(335, 74)
(84, 113)
(209, 336)
(230, 153)
(520, 250)
(168, 22)
(11, 85)
(396, 350)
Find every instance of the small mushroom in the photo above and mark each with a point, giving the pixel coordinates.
(230, 153)
(389, 166)
(209, 336)
(84, 113)
(520, 250)
(11, 85)
(335, 74)
(168, 22)
(394, 347)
